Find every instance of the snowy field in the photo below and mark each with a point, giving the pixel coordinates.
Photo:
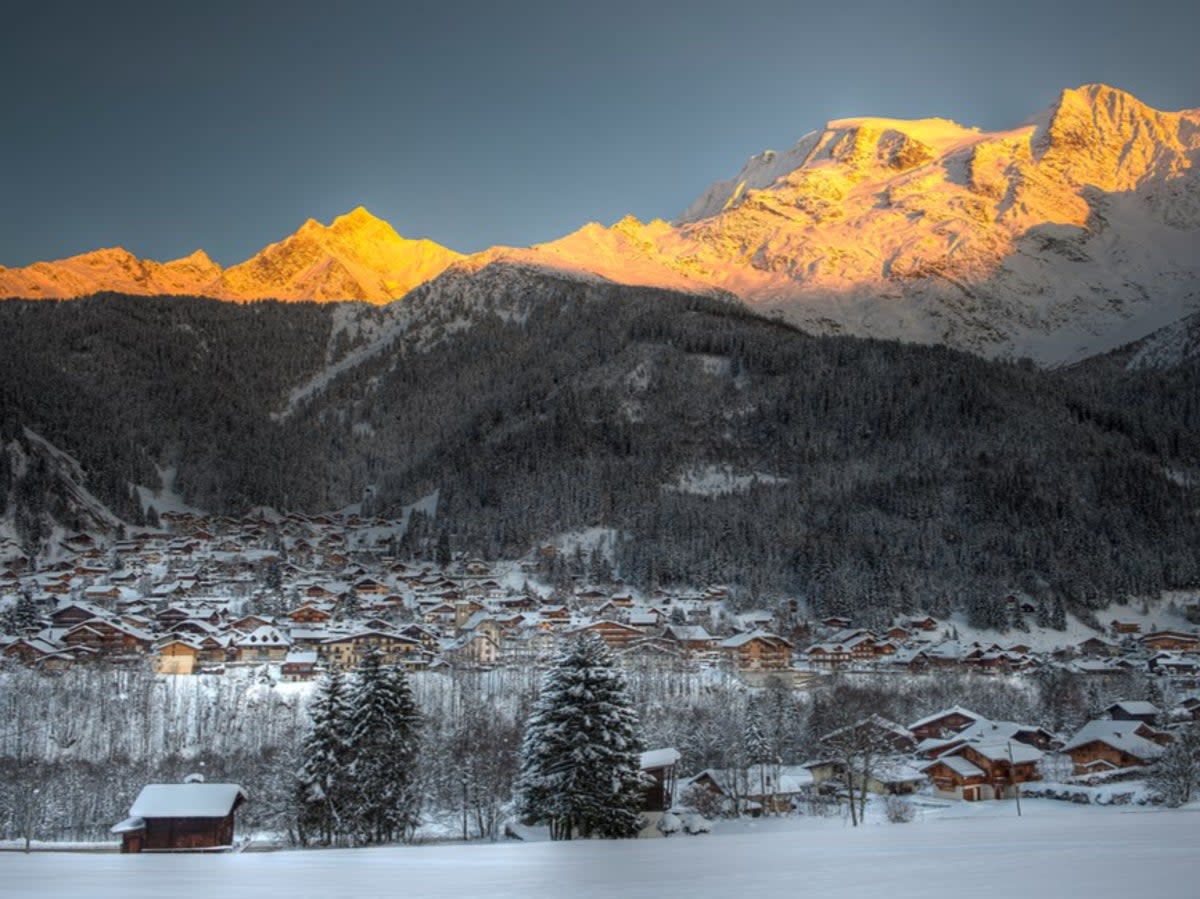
(1055, 850)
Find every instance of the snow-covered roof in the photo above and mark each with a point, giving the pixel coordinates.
(1117, 734)
(958, 765)
(1003, 750)
(1135, 707)
(946, 713)
(659, 758)
(193, 800)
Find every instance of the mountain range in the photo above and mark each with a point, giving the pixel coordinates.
(1068, 235)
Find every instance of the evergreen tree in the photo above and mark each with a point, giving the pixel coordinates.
(383, 748)
(323, 781)
(580, 760)
(755, 750)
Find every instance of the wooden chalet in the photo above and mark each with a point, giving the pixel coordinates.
(181, 817)
(1134, 710)
(942, 724)
(758, 651)
(989, 770)
(1171, 641)
(1106, 745)
(177, 656)
(615, 634)
(346, 651)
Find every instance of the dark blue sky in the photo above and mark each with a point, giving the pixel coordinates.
(164, 127)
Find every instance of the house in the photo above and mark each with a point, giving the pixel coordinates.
(176, 656)
(615, 634)
(299, 665)
(986, 770)
(263, 644)
(1171, 641)
(941, 724)
(658, 768)
(1134, 710)
(192, 816)
(891, 775)
(772, 789)
(758, 651)
(346, 651)
(1110, 745)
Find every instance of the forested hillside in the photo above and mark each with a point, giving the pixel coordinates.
(722, 446)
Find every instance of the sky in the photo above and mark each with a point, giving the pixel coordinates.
(164, 127)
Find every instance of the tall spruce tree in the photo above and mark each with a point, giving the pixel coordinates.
(323, 781)
(580, 759)
(383, 742)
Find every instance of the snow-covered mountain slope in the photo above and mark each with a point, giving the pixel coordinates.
(1071, 234)
(357, 257)
(1067, 236)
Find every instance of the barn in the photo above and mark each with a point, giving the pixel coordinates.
(184, 817)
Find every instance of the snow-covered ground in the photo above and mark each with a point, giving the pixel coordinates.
(968, 850)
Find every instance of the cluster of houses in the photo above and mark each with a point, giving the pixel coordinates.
(301, 592)
(955, 754)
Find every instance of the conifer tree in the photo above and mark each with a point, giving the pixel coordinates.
(383, 748)
(323, 781)
(580, 759)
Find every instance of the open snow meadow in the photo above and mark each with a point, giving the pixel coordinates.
(1055, 849)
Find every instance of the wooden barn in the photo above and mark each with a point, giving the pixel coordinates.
(182, 817)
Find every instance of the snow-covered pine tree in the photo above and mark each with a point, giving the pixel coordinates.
(383, 750)
(323, 781)
(756, 751)
(580, 759)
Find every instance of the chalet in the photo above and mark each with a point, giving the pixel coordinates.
(176, 656)
(299, 665)
(836, 621)
(890, 776)
(615, 634)
(75, 613)
(692, 639)
(1110, 745)
(310, 613)
(828, 655)
(773, 789)
(1094, 646)
(1131, 710)
(1171, 641)
(986, 770)
(1174, 665)
(181, 817)
(346, 651)
(875, 729)
(248, 623)
(941, 724)
(757, 651)
(1125, 627)
(476, 649)
(36, 652)
(923, 624)
(110, 638)
(263, 644)
(659, 767)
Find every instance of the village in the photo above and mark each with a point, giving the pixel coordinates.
(286, 598)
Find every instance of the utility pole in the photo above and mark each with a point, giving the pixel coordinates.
(1012, 773)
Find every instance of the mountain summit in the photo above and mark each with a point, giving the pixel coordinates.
(358, 256)
(1067, 235)
(1070, 234)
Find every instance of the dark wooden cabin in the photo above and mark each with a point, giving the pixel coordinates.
(181, 817)
(659, 766)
